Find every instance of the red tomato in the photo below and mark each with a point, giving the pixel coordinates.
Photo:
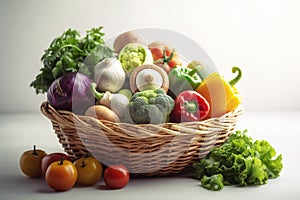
(175, 59)
(61, 175)
(30, 162)
(116, 176)
(165, 61)
(157, 53)
(52, 157)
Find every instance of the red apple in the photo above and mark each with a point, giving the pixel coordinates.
(52, 157)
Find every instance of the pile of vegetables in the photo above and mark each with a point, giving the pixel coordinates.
(136, 82)
(131, 82)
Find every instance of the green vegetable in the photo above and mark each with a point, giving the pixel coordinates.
(96, 55)
(134, 55)
(214, 182)
(67, 53)
(241, 161)
(182, 78)
(150, 106)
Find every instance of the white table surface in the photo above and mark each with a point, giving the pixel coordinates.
(18, 132)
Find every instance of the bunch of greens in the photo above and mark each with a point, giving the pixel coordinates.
(239, 161)
(70, 53)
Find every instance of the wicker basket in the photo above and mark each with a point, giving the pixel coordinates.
(147, 149)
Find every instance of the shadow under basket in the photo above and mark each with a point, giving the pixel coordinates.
(145, 149)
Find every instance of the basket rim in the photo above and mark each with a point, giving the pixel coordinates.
(60, 116)
(45, 104)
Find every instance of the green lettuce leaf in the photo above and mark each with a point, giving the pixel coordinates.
(240, 161)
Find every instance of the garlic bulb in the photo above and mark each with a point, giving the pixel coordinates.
(109, 75)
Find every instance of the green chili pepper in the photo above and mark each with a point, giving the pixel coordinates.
(183, 78)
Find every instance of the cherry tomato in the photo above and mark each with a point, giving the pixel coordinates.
(175, 59)
(116, 176)
(157, 53)
(52, 157)
(89, 170)
(162, 56)
(30, 162)
(61, 175)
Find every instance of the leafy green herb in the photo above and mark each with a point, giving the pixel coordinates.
(239, 161)
(67, 53)
(98, 54)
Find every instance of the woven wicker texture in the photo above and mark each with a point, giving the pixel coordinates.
(145, 149)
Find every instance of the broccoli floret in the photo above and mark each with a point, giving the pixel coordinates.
(139, 102)
(166, 102)
(150, 106)
(160, 91)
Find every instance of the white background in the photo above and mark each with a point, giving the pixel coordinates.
(261, 37)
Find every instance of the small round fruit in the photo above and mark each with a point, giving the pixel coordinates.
(89, 171)
(61, 175)
(52, 157)
(116, 176)
(30, 162)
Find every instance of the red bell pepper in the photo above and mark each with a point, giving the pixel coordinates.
(189, 106)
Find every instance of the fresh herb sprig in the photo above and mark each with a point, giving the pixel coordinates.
(67, 53)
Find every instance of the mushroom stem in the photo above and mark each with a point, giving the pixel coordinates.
(149, 78)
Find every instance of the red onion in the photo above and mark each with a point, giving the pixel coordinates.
(71, 92)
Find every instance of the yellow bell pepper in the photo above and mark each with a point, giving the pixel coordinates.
(222, 96)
